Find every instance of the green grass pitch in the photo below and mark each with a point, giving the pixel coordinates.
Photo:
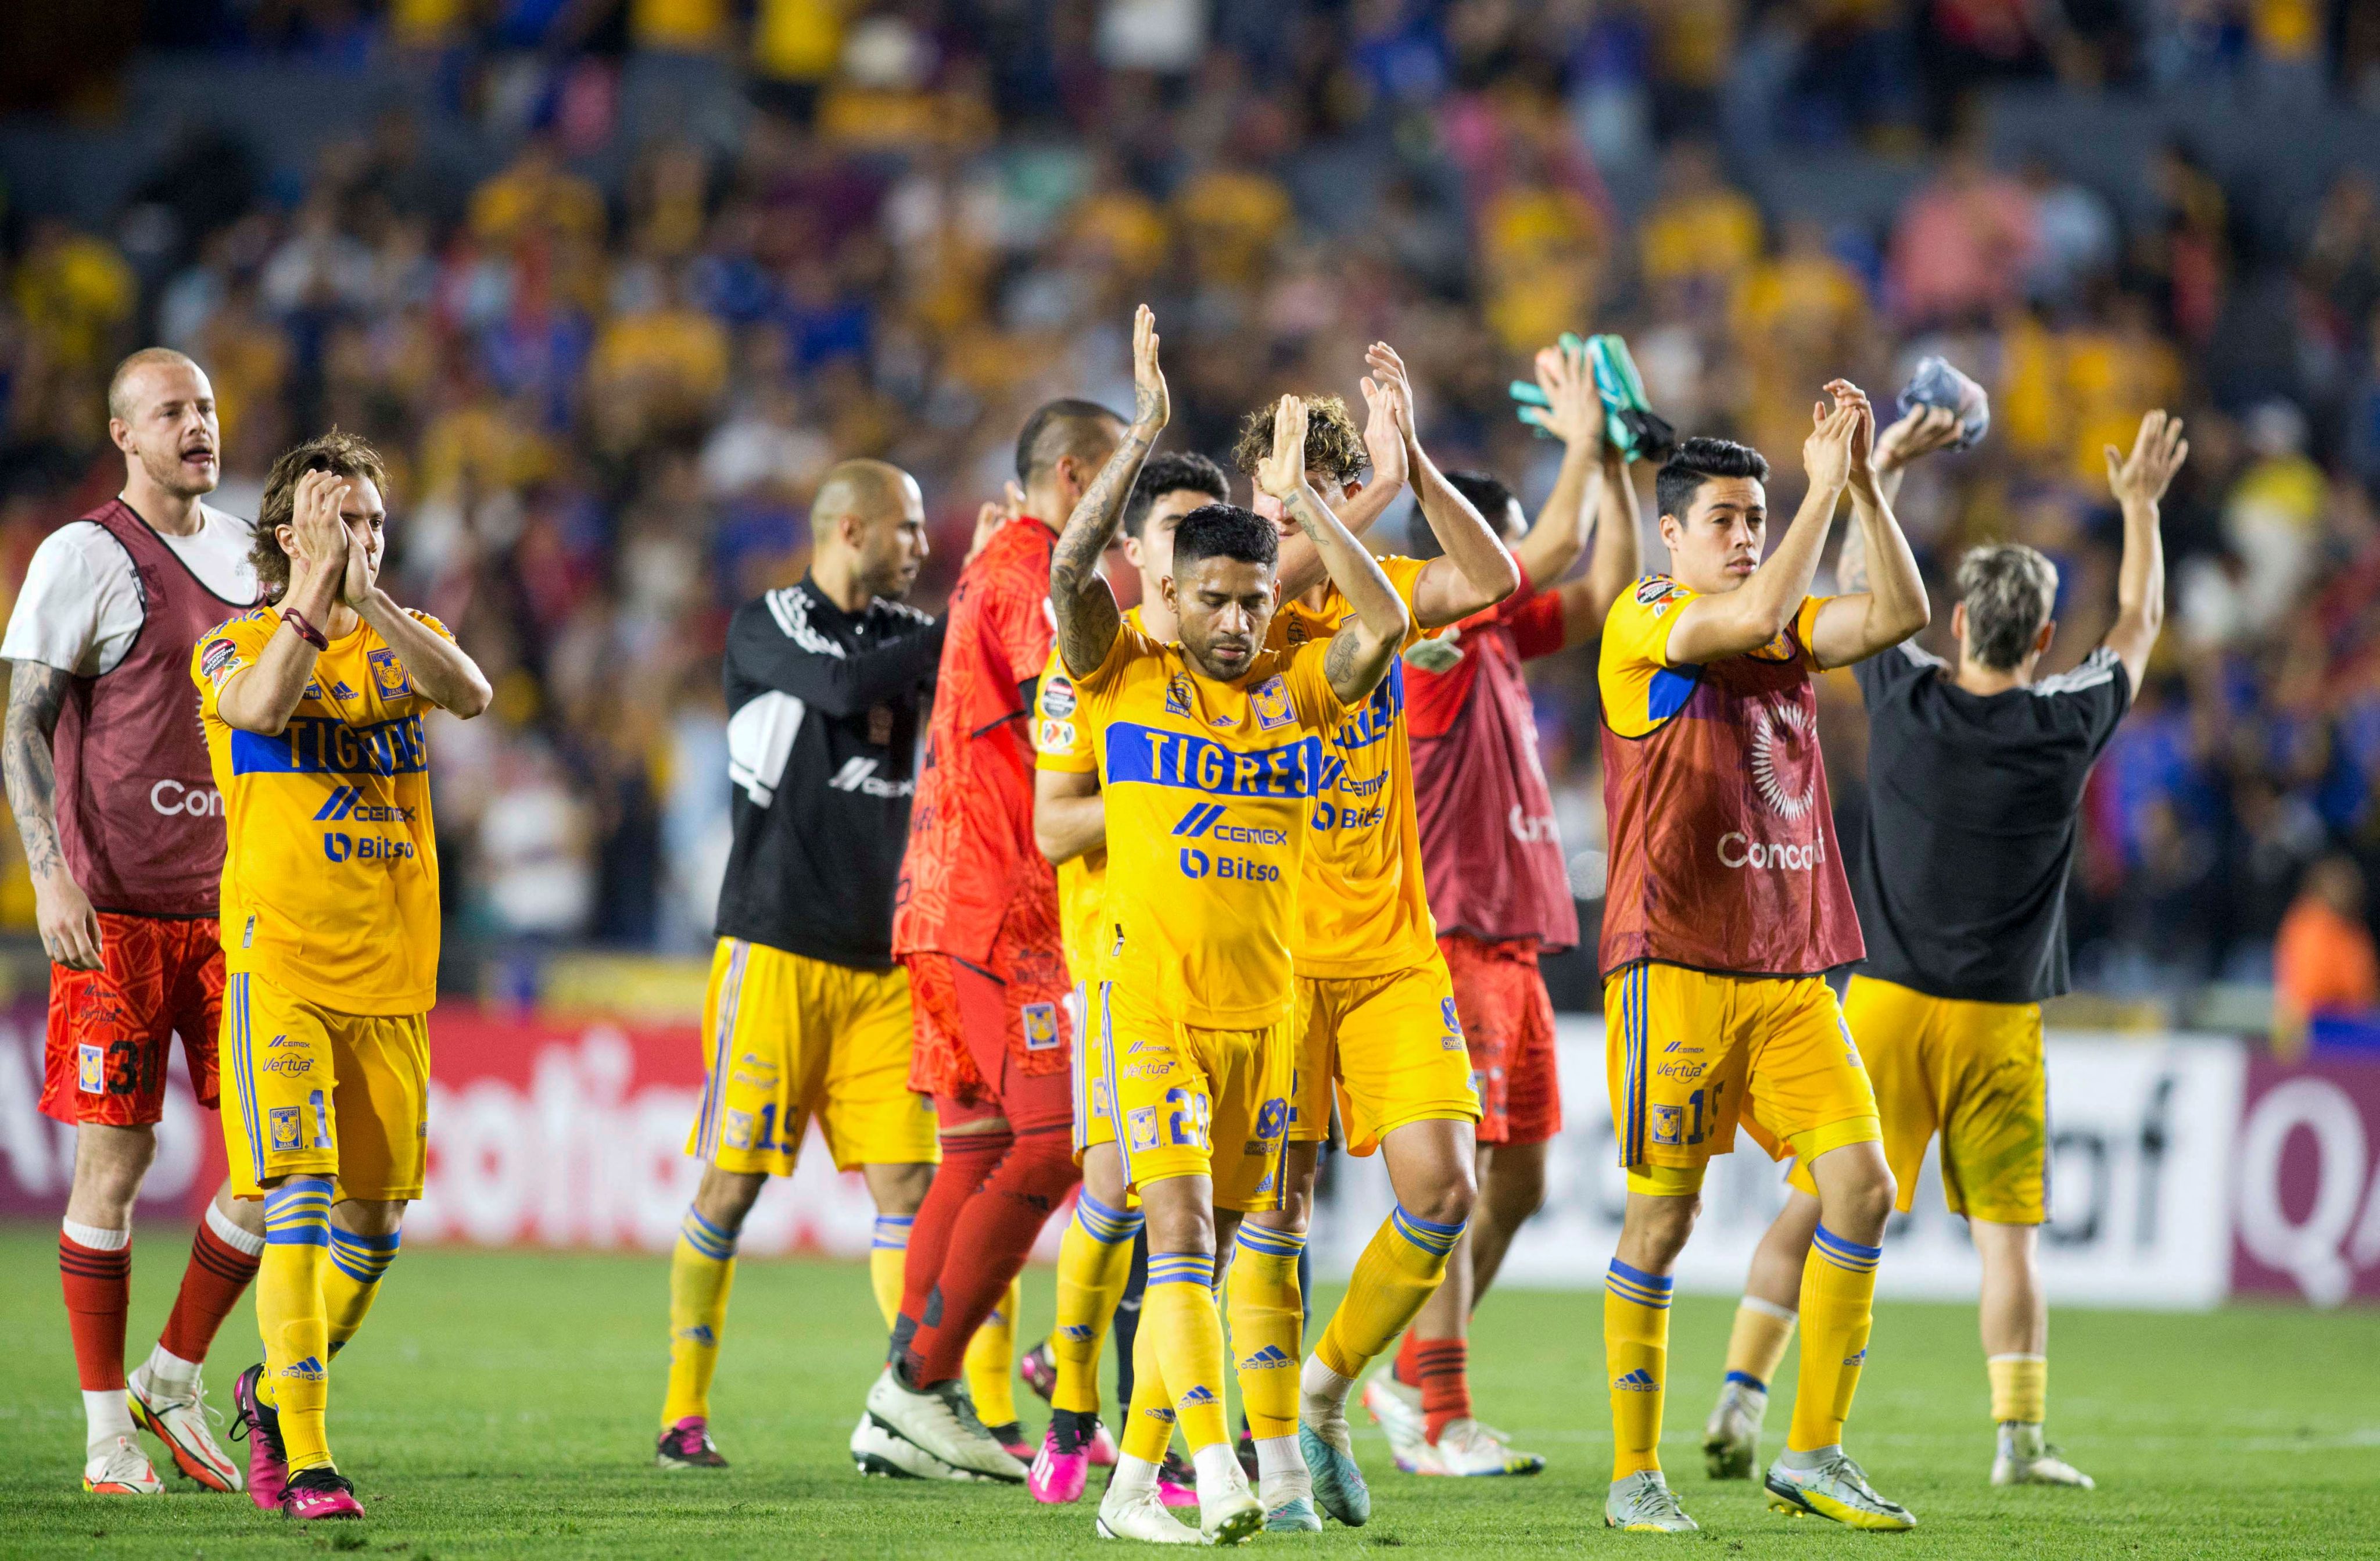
(503, 1404)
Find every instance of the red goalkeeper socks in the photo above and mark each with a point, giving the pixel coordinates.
(991, 1240)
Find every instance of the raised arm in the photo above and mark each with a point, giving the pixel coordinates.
(2139, 482)
(1079, 597)
(1069, 818)
(260, 699)
(1476, 570)
(1574, 415)
(1618, 557)
(1360, 653)
(1919, 432)
(1384, 443)
(69, 927)
(1712, 628)
(1855, 627)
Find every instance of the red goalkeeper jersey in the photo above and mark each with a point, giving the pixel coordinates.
(971, 862)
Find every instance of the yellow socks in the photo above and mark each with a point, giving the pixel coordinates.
(1148, 1421)
(1266, 1312)
(989, 1356)
(1757, 1345)
(1094, 1262)
(703, 1271)
(2019, 1387)
(352, 1281)
(291, 1316)
(1636, 1355)
(1400, 1266)
(886, 1257)
(1837, 1309)
(1177, 1313)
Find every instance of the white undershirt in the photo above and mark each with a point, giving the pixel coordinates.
(79, 610)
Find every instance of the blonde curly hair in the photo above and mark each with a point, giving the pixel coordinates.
(1334, 446)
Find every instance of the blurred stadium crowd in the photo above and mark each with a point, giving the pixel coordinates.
(612, 352)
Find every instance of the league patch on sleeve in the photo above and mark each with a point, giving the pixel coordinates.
(1057, 697)
(219, 660)
(1056, 737)
(1654, 589)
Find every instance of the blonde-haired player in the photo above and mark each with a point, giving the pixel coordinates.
(312, 711)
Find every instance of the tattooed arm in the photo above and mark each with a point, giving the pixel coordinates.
(1364, 649)
(1079, 597)
(69, 927)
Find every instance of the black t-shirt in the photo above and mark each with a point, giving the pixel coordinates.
(1971, 822)
(822, 746)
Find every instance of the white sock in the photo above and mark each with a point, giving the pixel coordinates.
(106, 1415)
(169, 1374)
(229, 1231)
(1281, 1471)
(95, 1237)
(1133, 1474)
(1219, 1472)
(1324, 1390)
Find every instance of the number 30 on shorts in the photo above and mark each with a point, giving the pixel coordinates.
(1187, 1114)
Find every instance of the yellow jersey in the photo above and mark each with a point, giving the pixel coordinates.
(329, 885)
(1363, 910)
(1206, 785)
(1061, 742)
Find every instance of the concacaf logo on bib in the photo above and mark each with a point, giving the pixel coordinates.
(1784, 759)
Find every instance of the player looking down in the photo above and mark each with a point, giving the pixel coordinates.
(107, 779)
(312, 711)
(1376, 1017)
(1499, 887)
(1070, 826)
(1211, 752)
(1975, 778)
(1726, 905)
(807, 1014)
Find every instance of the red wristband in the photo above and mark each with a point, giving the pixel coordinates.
(306, 631)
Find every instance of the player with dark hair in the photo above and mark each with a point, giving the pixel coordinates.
(312, 711)
(1197, 992)
(976, 922)
(1375, 1010)
(122, 826)
(1498, 888)
(1726, 905)
(1096, 1257)
(806, 1013)
(1975, 777)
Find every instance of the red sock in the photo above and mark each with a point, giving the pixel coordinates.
(1440, 1368)
(997, 1227)
(217, 1276)
(968, 1159)
(99, 1292)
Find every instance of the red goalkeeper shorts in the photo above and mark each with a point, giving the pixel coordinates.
(110, 1029)
(1508, 1018)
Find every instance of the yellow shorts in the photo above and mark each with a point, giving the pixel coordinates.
(1393, 1046)
(1197, 1102)
(1690, 1053)
(1094, 1112)
(1971, 1071)
(790, 1038)
(310, 1092)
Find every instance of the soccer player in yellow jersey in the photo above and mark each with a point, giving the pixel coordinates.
(313, 708)
(1211, 752)
(1070, 826)
(1375, 1008)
